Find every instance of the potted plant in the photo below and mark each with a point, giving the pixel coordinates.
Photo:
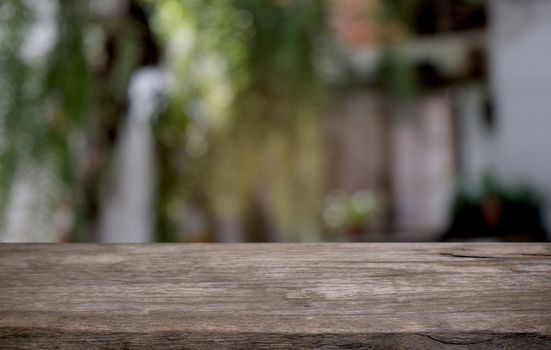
(350, 213)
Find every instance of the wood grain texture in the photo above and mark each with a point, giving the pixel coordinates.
(276, 296)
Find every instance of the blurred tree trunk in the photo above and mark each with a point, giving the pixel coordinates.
(129, 45)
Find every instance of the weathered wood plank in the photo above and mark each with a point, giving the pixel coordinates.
(265, 296)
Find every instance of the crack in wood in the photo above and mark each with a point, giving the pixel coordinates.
(455, 255)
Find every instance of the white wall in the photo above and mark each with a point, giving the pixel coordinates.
(520, 63)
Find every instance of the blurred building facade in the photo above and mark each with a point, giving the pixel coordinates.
(482, 107)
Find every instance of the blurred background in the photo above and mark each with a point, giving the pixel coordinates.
(275, 120)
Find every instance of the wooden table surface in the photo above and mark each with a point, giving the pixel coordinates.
(266, 296)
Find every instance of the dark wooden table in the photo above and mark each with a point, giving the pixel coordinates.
(266, 296)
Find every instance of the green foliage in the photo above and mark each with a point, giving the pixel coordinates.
(396, 75)
(246, 84)
(21, 127)
(401, 11)
(396, 72)
(42, 103)
(53, 115)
